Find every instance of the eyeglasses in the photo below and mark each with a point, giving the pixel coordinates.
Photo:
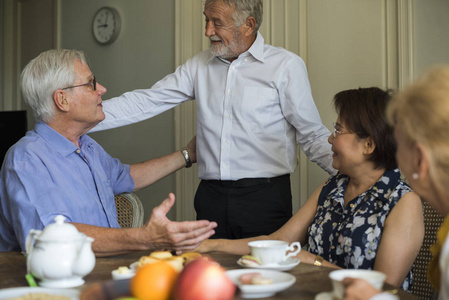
(338, 132)
(92, 83)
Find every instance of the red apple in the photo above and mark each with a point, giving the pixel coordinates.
(203, 279)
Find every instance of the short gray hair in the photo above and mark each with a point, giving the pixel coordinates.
(51, 70)
(243, 10)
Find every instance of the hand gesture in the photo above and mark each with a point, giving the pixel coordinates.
(161, 233)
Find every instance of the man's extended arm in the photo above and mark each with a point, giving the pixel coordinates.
(151, 171)
(157, 233)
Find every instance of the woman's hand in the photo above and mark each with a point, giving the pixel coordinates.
(358, 289)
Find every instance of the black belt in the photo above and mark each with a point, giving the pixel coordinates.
(245, 182)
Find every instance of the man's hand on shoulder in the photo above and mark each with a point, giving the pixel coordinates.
(162, 233)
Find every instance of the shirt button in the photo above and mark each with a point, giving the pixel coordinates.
(233, 68)
(225, 141)
(229, 91)
(351, 205)
(78, 151)
(334, 224)
(245, 60)
(333, 247)
(227, 116)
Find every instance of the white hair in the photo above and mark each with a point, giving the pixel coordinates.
(243, 10)
(51, 70)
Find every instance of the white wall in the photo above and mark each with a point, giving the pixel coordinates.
(346, 42)
(431, 27)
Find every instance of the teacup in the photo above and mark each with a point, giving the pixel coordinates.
(271, 252)
(375, 278)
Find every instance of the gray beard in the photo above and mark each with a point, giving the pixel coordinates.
(222, 52)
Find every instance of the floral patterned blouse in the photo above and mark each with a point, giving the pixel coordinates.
(349, 236)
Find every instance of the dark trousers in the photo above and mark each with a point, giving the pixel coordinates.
(245, 208)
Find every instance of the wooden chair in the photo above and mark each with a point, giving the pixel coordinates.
(421, 286)
(129, 210)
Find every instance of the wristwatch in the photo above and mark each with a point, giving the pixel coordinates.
(318, 260)
(186, 157)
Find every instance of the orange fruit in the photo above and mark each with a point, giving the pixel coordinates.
(153, 281)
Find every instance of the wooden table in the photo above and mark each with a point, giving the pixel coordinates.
(310, 279)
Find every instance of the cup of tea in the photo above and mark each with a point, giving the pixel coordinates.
(375, 278)
(272, 252)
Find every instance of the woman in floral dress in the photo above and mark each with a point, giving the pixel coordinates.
(420, 115)
(366, 217)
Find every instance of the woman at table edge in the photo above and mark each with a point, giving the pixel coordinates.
(420, 116)
(364, 153)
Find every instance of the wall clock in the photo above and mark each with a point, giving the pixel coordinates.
(106, 25)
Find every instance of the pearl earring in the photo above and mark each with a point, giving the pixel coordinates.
(415, 176)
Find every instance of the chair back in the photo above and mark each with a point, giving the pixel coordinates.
(129, 210)
(421, 287)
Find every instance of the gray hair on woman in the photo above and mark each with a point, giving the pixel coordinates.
(51, 70)
(243, 10)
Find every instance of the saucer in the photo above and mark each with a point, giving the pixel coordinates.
(325, 296)
(281, 281)
(9, 293)
(286, 265)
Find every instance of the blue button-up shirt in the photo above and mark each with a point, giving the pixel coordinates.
(44, 175)
(251, 112)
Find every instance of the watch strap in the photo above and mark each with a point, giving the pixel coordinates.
(185, 153)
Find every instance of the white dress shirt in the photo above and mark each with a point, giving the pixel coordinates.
(250, 113)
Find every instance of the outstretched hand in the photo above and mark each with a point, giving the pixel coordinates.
(161, 233)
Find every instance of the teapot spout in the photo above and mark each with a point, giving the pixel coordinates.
(85, 262)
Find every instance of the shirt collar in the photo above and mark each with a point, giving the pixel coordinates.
(381, 189)
(256, 49)
(59, 142)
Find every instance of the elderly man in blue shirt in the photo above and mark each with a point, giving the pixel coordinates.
(58, 170)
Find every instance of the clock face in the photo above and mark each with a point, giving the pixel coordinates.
(106, 25)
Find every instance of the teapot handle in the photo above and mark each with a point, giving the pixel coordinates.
(29, 245)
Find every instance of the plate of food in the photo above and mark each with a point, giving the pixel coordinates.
(248, 261)
(31, 293)
(260, 283)
(177, 261)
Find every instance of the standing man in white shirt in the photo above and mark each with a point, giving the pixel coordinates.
(254, 103)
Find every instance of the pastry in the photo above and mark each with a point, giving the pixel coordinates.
(250, 261)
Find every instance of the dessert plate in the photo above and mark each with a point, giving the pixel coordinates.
(286, 265)
(281, 281)
(9, 293)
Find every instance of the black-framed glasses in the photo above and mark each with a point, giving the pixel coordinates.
(92, 83)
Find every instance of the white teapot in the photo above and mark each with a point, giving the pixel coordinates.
(60, 256)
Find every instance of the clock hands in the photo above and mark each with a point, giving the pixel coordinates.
(105, 21)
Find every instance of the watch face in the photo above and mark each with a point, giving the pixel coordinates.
(106, 25)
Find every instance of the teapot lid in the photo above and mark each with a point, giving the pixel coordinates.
(59, 230)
